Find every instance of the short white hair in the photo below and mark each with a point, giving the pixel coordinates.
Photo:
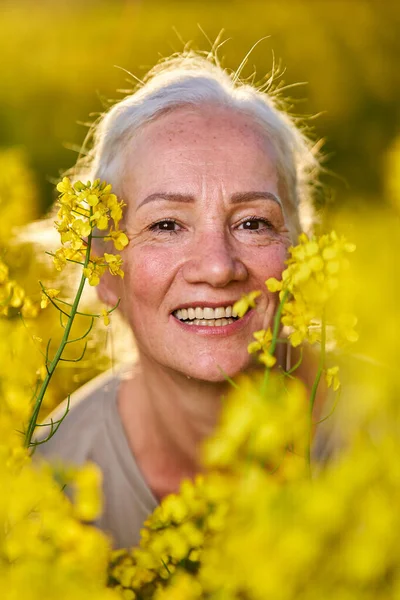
(191, 79)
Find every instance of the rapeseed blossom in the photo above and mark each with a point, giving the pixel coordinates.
(13, 296)
(46, 552)
(262, 344)
(245, 303)
(83, 209)
(311, 281)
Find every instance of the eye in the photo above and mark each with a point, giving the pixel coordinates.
(165, 225)
(255, 224)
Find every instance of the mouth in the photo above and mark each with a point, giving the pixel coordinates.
(206, 316)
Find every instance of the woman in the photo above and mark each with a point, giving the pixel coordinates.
(215, 179)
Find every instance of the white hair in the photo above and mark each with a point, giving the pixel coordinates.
(190, 79)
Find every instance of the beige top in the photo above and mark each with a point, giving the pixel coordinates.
(93, 431)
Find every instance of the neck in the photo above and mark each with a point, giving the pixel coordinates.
(166, 417)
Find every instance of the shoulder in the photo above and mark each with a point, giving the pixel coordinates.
(85, 422)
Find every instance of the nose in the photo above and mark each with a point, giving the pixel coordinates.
(213, 261)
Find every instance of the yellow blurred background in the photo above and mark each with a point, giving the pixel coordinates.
(59, 71)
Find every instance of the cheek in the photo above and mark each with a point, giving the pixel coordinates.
(270, 262)
(148, 273)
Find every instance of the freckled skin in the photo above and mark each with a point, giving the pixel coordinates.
(212, 255)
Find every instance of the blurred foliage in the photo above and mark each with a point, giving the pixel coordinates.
(59, 68)
(25, 334)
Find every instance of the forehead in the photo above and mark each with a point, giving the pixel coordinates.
(207, 143)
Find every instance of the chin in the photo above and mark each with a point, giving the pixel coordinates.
(214, 372)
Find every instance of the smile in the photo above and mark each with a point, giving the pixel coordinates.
(207, 316)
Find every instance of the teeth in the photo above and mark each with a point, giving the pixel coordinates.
(208, 313)
(199, 312)
(207, 316)
(211, 322)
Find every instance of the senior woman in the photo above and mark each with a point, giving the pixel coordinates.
(215, 179)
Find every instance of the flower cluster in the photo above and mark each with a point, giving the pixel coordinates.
(173, 537)
(311, 281)
(276, 532)
(246, 302)
(13, 296)
(262, 345)
(83, 209)
(259, 427)
(46, 552)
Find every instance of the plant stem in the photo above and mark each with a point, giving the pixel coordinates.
(314, 389)
(51, 368)
(275, 333)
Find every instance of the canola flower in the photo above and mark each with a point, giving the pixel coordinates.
(312, 279)
(172, 538)
(46, 550)
(13, 296)
(308, 294)
(83, 210)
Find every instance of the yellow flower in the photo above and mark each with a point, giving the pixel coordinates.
(87, 497)
(100, 217)
(346, 325)
(18, 295)
(30, 310)
(3, 272)
(332, 379)
(114, 262)
(310, 283)
(267, 359)
(59, 259)
(273, 284)
(92, 200)
(106, 317)
(79, 186)
(115, 206)
(263, 339)
(72, 238)
(94, 271)
(50, 293)
(82, 228)
(65, 187)
(247, 301)
(119, 238)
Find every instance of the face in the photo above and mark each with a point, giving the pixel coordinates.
(206, 226)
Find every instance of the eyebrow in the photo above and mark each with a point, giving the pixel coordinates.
(236, 198)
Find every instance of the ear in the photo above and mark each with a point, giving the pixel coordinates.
(109, 289)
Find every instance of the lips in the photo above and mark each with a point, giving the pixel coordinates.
(207, 316)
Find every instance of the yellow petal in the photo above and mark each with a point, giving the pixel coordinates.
(267, 359)
(273, 284)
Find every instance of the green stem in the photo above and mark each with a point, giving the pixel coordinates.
(275, 333)
(314, 389)
(52, 366)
